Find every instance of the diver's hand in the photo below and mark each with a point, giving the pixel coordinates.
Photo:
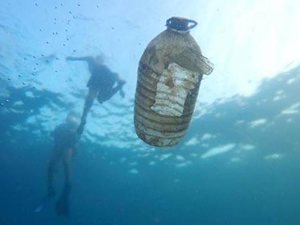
(121, 83)
(122, 93)
(69, 58)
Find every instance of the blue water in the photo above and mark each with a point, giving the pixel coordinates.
(208, 191)
(237, 165)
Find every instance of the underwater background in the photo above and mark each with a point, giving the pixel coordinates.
(238, 163)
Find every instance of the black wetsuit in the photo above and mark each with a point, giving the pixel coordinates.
(102, 80)
(65, 137)
(65, 140)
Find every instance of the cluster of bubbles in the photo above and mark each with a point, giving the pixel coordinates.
(45, 59)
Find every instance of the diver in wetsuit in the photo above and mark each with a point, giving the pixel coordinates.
(65, 140)
(103, 84)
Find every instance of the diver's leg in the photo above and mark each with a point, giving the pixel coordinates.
(118, 88)
(67, 166)
(50, 171)
(112, 92)
(62, 204)
(50, 188)
(89, 102)
(87, 106)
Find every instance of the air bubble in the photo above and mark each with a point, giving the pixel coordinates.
(19, 75)
(2, 104)
(7, 101)
(24, 83)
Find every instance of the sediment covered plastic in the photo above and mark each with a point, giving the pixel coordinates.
(169, 76)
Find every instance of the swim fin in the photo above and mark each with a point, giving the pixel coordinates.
(42, 204)
(45, 201)
(62, 204)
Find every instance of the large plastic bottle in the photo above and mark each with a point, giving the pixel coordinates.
(169, 76)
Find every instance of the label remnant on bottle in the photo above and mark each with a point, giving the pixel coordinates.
(173, 87)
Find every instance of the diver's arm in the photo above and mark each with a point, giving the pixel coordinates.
(87, 59)
(119, 80)
(120, 83)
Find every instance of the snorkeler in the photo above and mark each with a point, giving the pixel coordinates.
(65, 140)
(103, 84)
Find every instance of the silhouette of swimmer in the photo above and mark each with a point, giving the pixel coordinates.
(65, 141)
(103, 84)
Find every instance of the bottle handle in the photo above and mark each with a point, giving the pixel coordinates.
(181, 24)
(193, 24)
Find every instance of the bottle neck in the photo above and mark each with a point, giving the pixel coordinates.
(178, 31)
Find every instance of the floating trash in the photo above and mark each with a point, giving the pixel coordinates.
(169, 76)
